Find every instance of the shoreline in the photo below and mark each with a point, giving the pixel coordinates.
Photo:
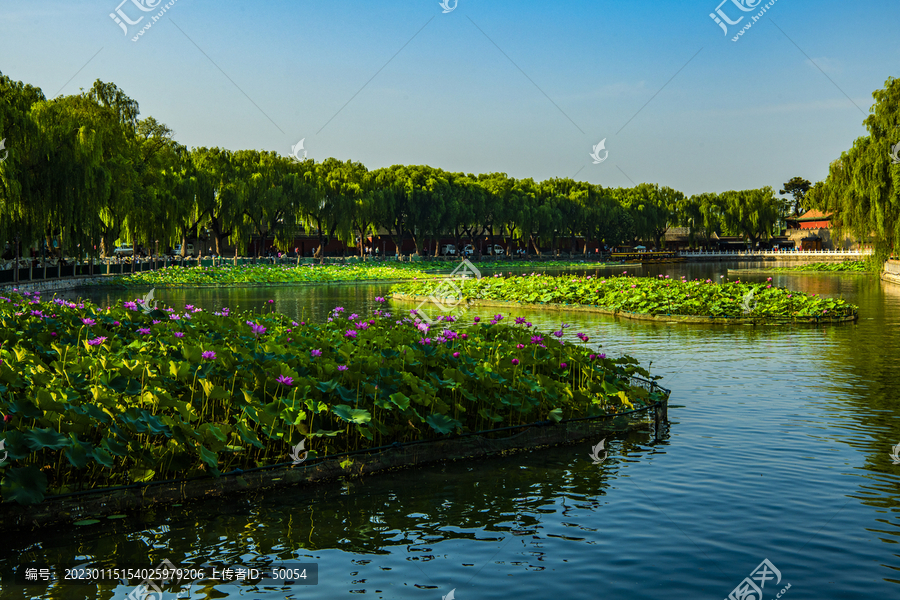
(68, 509)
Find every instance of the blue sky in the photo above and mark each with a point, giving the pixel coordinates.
(526, 88)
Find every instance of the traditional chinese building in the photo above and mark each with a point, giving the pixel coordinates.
(811, 219)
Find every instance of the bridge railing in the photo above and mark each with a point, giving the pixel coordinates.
(792, 252)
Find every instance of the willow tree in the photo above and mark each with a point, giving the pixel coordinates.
(191, 193)
(470, 199)
(862, 190)
(265, 203)
(536, 213)
(751, 213)
(392, 210)
(571, 201)
(225, 191)
(120, 157)
(365, 212)
(606, 220)
(499, 188)
(158, 160)
(702, 214)
(20, 170)
(77, 168)
(338, 185)
(430, 198)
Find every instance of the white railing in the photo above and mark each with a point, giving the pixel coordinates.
(786, 252)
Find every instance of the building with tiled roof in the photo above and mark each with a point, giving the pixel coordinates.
(811, 219)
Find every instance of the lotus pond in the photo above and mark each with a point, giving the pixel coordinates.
(226, 274)
(650, 295)
(94, 397)
(849, 266)
(778, 448)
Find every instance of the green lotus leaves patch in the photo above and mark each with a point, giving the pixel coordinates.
(651, 296)
(207, 393)
(228, 274)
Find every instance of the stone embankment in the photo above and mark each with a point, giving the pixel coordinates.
(891, 271)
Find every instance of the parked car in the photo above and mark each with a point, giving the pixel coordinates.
(123, 251)
(497, 250)
(448, 249)
(469, 250)
(176, 251)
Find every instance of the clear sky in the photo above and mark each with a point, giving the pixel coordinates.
(526, 87)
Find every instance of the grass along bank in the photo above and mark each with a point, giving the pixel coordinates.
(224, 275)
(94, 397)
(649, 296)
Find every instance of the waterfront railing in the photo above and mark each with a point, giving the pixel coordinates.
(792, 252)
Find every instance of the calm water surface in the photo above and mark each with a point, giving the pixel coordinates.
(778, 449)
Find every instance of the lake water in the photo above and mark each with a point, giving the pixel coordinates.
(778, 448)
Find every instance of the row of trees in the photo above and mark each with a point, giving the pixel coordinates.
(862, 190)
(86, 170)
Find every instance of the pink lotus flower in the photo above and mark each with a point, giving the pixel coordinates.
(208, 355)
(89, 322)
(179, 334)
(287, 381)
(342, 367)
(315, 353)
(144, 331)
(96, 341)
(515, 361)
